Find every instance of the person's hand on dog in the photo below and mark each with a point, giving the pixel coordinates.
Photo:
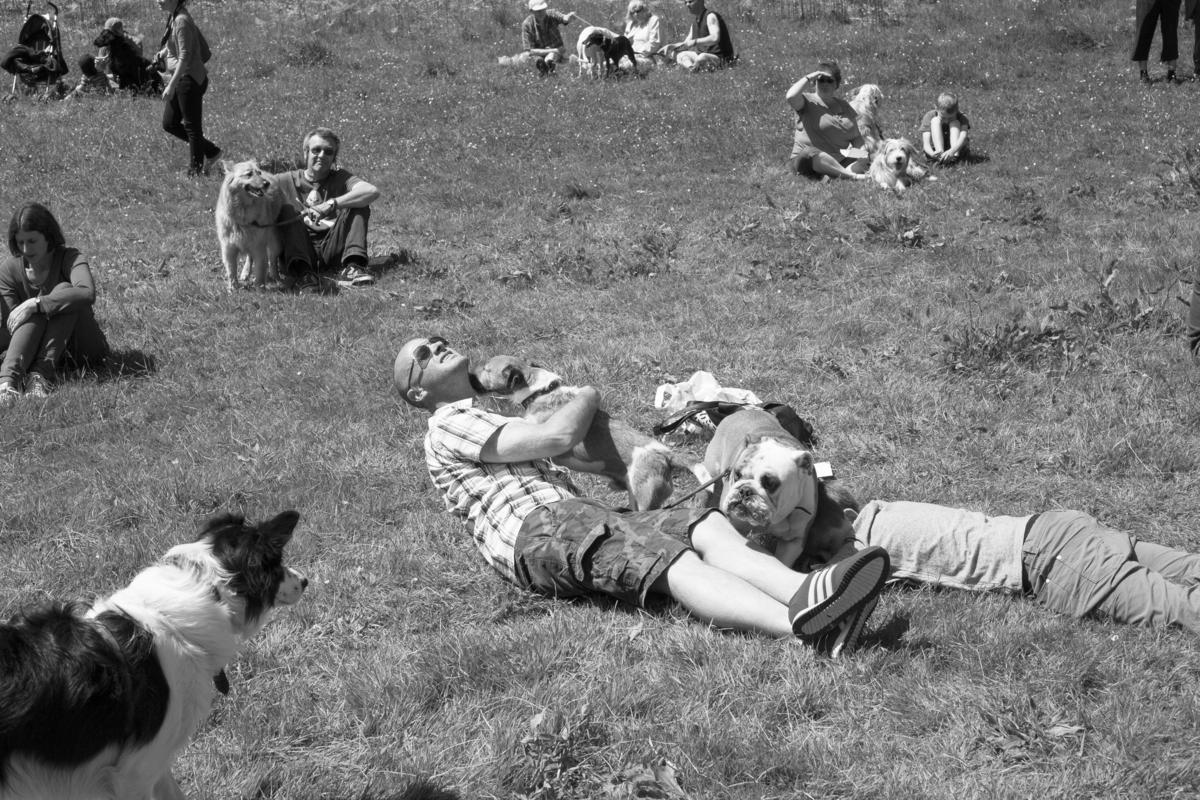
(21, 313)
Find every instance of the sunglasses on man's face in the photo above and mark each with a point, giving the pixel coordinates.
(422, 354)
(825, 79)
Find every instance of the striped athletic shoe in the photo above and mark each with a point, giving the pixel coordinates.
(846, 635)
(832, 593)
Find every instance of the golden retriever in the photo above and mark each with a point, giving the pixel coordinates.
(248, 207)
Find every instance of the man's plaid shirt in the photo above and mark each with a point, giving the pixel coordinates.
(495, 497)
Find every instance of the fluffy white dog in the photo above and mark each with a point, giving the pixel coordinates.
(894, 165)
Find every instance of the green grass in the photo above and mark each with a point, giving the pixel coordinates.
(628, 233)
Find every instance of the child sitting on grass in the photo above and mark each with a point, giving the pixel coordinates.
(944, 131)
(93, 81)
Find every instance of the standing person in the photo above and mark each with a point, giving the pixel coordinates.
(707, 45)
(826, 125)
(1191, 10)
(1165, 14)
(541, 38)
(533, 528)
(329, 210)
(644, 31)
(185, 52)
(47, 292)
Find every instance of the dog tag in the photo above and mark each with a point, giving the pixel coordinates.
(823, 469)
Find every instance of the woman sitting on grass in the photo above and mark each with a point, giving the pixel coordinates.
(46, 296)
(826, 127)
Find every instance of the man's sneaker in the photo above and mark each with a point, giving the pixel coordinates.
(832, 593)
(845, 637)
(9, 393)
(36, 385)
(352, 276)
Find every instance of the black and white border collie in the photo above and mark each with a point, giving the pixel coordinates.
(98, 703)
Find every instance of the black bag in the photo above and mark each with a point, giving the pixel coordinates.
(710, 413)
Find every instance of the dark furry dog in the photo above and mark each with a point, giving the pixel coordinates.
(131, 69)
(613, 47)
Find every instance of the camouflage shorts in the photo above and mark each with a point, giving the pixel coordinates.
(579, 547)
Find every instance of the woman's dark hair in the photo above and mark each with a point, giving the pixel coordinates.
(831, 66)
(34, 217)
(170, 21)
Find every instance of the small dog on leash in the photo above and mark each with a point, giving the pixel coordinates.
(601, 50)
(96, 704)
(894, 165)
(248, 207)
(631, 460)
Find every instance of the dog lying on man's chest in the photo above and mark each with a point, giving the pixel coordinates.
(631, 460)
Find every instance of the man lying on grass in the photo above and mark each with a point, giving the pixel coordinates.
(532, 526)
(1067, 560)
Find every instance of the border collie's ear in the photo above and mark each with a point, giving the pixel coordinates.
(279, 530)
(222, 519)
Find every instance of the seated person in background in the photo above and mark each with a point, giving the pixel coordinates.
(541, 38)
(93, 81)
(333, 210)
(644, 31)
(47, 293)
(120, 56)
(826, 126)
(707, 45)
(532, 526)
(944, 131)
(1066, 560)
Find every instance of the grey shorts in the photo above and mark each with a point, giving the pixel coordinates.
(580, 547)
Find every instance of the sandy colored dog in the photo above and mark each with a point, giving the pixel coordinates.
(894, 166)
(248, 207)
(630, 459)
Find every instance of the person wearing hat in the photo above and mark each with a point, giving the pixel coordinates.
(540, 36)
(707, 45)
(827, 141)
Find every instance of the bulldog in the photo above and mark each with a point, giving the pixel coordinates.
(768, 483)
(631, 460)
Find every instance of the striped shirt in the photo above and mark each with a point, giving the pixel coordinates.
(495, 497)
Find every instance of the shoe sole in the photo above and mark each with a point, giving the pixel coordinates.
(846, 642)
(862, 582)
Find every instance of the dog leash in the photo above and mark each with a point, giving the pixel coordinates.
(699, 489)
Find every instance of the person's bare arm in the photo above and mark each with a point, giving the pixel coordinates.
(522, 440)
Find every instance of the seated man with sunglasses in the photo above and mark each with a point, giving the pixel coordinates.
(532, 526)
(327, 210)
(828, 141)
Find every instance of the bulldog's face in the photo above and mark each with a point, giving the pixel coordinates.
(508, 377)
(770, 481)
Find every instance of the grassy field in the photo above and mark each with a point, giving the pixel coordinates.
(1006, 338)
